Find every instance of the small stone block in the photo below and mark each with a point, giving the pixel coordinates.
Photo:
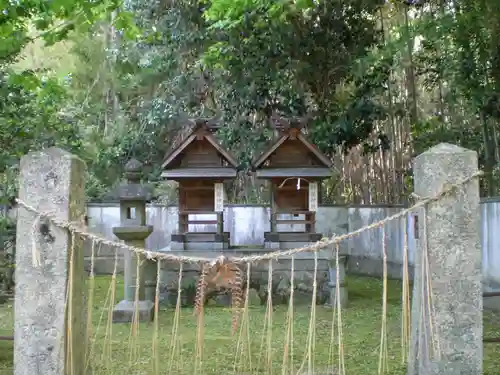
(292, 237)
(176, 245)
(332, 300)
(205, 246)
(206, 237)
(124, 311)
(176, 237)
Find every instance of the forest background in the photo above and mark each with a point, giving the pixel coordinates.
(384, 80)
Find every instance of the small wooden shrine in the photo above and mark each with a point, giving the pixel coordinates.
(294, 167)
(200, 165)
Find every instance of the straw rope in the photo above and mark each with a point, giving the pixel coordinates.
(243, 343)
(79, 228)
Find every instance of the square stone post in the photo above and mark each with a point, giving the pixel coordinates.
(49, 331)
(453, 244)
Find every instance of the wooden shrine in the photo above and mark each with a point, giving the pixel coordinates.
(294, 168)
(200, 165)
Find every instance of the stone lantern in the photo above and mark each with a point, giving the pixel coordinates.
(134, 231)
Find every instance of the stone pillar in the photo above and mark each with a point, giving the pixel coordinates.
(332, 282)
(51, 181)
(134, 231)
(454, 252)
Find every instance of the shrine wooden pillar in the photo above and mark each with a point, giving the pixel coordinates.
(219, 205)
(183, 218)
(313, 207)
(273, 214)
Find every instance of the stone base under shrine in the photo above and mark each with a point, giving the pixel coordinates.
(200, 241)
(289, 240)
(281, 275)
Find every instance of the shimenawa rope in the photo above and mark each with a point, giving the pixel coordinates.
(78, 228)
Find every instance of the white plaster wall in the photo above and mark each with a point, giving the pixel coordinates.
(247, 225)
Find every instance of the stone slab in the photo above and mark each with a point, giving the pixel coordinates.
(200, 237)
(125, 310)
(292, 237)
(205, 246)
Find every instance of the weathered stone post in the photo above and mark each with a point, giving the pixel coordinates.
(48, 329)
(452, 345)
(134, 231)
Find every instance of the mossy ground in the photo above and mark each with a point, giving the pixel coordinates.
(361, 328)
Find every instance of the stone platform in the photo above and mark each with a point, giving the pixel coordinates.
(194, 241)
(303, 276)
(289, 240)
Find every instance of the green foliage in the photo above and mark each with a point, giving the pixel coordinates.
(139, 71)
(280, 58)
(7, 256)
(53, 21)
(32, 102)
(30, 118)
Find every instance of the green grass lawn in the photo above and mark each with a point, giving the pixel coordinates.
(361, 328)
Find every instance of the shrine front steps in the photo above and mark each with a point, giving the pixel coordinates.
(200, 241)
(289, 240)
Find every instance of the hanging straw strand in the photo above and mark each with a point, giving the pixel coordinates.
(383, 356)
(90, 306)
(405, 327)
(200, 324)
(341, 367)
(135, 319)
(110, 300)
(269, 350)
(288, 350)
(156, 354)
(174, 341)
(428, 292)
(69, 307)
(244, 330)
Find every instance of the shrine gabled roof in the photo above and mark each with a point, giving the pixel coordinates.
(199, 127)
(285, 136)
